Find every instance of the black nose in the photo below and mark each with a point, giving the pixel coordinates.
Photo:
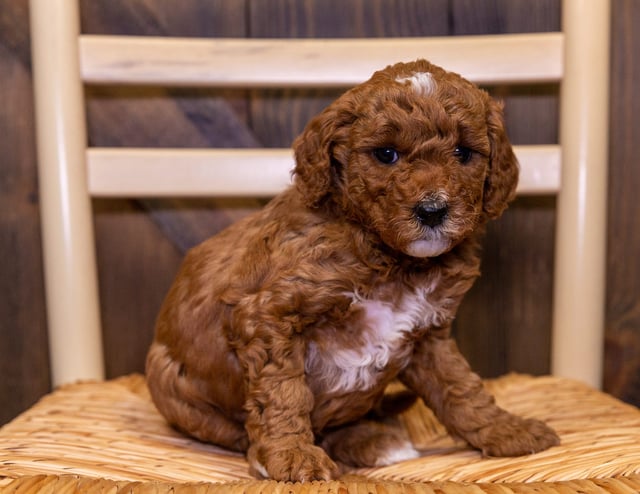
(431, 212)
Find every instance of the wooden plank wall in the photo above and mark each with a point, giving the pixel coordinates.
(622, 350)
(503, 324)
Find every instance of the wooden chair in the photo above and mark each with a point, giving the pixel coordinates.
(107, 435)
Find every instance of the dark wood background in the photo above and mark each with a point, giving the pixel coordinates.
(504, 323)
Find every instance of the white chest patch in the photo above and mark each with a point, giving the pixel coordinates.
(384, 327)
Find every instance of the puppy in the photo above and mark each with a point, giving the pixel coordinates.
(281, 333)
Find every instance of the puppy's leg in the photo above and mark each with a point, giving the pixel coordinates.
(369, 444)
(184, 405)
(279, 404)
(444, 380)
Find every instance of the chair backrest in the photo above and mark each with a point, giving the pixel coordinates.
(70, 173)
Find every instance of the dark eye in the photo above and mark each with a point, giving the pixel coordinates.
(462, 154)
(388, 156)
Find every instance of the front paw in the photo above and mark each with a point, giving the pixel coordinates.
(511, 435)
(292, 461)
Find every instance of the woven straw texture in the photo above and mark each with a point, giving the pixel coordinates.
(108, 437)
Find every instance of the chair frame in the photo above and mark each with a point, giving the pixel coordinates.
(70, 173)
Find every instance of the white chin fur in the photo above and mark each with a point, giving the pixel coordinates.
(428, 248)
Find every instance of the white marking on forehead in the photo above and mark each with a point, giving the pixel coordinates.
(422, 82)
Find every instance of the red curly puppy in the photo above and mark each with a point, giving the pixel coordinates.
(280, 334)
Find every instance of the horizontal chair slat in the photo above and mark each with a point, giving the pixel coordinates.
(230, 62)
(127, 172)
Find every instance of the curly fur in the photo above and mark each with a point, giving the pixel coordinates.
(281, 333)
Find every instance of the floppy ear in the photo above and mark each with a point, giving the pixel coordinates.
(317, 166)
(502, 178)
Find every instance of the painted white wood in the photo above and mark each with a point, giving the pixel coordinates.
(189, 172)
(117, 172)
(578, 308)
(73, 316)
(313, 62)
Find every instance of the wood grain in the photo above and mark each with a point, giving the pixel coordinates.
(164, 17)
(505, 16)
(347, 18)
(23, 340)
(622, 350)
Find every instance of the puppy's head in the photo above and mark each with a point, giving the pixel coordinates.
(417, 154)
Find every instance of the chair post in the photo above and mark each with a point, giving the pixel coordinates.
(75, 341)
(579, 286)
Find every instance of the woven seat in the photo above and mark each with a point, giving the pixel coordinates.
(108, 437)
